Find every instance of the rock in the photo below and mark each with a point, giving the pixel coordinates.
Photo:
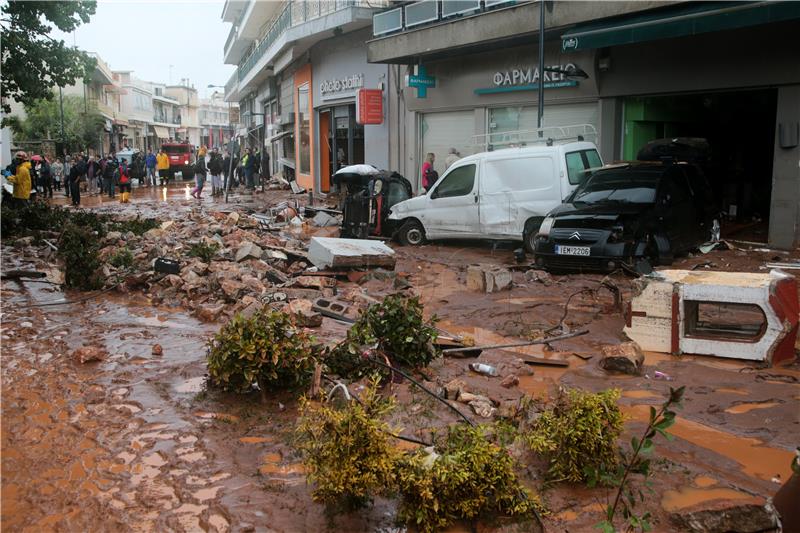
(232, 219)
(85, 354)
(625, 358)
(113, 235)
(174, 280)
(510, 381)
(303, 314)
(253, 284)
(454, 388)
(313, 282)
(484, 409)
(153, 234)
(157, 350)
(275, 254)
(468, 397)
(539, 276)
(725, 516)
(476, 281)
(248, 249)
(273, 274)
(323, 219)
(231, 288)
(166, 225)
(191, 278)
(498, 279)
(325, 252)
(251, 309)
(209, 313)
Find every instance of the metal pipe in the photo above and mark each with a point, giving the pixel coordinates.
(540, 117)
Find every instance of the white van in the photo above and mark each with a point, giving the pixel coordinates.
(501, 195)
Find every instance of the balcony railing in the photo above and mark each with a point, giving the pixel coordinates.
(292, 14)
(165, 119)
(429, 12)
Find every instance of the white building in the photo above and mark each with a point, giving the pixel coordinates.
(214, 117)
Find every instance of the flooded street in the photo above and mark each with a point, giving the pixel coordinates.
(136, 441)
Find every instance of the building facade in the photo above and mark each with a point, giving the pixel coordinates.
(717, 70)
(188, 111)
(214, 117)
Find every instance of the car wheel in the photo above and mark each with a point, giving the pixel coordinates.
(411, 234)
(529, 242)
(659, 251)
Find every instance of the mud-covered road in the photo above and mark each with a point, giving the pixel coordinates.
(137, 442)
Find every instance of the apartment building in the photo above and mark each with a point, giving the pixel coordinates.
(633, 71)
(188, 107)
(214, 117)
(300, 66)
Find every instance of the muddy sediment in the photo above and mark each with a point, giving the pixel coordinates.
(137, 441)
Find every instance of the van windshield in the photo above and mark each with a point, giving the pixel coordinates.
(176, 149)
(608, 187)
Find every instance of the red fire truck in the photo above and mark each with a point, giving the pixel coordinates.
(181, 158)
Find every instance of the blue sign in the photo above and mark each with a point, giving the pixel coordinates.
(529, 87)
(421, 82)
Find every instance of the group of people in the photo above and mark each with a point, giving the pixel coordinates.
(208, 162)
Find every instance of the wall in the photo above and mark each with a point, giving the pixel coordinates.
(784, 226)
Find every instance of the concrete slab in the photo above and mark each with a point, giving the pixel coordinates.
(328, 252)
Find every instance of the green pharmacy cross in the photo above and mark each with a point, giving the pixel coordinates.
(421, 82)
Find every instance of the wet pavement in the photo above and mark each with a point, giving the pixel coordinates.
(137, 442)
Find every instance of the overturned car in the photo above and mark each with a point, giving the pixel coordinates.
(627, 213)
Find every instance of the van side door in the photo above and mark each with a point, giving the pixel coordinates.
(453, 204)
(515, 189)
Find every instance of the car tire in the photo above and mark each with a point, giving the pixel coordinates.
(659, 255)
(411, 233)
(529, 242)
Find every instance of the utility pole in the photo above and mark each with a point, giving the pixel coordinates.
(540, 117)
(61, 105)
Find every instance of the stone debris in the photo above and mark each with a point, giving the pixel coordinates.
(323, 220)
(248, 249)
(625, 358)
(86, 354)
(727, 516)
(158, 350)
(325, 252)
(484, 278)
(509, 381)
(303, 313)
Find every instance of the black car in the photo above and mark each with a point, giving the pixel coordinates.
(369, 194)
(626, 213)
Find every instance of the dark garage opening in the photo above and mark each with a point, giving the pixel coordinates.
(739, 126)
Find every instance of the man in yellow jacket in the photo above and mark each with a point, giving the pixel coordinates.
(162, 164)
(22, 179)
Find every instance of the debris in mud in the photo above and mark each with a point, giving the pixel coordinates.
(303, 313)
(86, 354)
(157, 350)
(509, 381)
(326, 252)
(483, 278)
(727, 516)
(625, 358)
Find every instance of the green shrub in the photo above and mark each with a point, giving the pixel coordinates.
(204, 251)
(347, 452)
(578, 434)
(471, 477)
(397, 327)
(137, 225)
(79, 248)
(32, 216)
(265, 349)
(122, 258)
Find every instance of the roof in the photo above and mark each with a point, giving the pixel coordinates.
(529, 150)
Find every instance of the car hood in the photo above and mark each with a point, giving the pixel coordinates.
(407, 208)
(595, 215)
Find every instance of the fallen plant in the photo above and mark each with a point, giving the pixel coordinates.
(137, 226)
(633, 463)
(205, 252)
(347, 452)
(396, 328)
(266, 349)
(578, 434)
(122, 258)
(79, 248)
(466, 477)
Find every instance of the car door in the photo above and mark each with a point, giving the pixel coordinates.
(453, 209)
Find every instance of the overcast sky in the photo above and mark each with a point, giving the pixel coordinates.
(147, 36)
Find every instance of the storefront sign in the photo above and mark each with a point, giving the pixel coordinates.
(341, 86)
(369, 106)
(527, 79)
(421, 82)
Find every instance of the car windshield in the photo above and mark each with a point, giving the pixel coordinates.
(618, 187)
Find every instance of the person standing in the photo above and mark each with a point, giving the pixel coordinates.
(57, 169)
(108, 175)
(92, 173)
(249, 162)
(226, 168)
(80, 166)
(452, 157)
(150, 165)
(256, 167)
(67, 168)
(162, 163)
(21, 179)
(45, 178)
(199, 176)
(123, 179)
(429, 175)
(215, 169)
(266, 169)
(74, 180)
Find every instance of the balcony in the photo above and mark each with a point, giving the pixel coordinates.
(104, 109)
(164, 119)
(233, 9)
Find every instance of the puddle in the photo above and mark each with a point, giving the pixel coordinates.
(726, 390)
(566, 516)
(193, 385)
(704, 481)
(639, 394)
(254, 440)
(756, 459)
(746, 407)
(674, 500)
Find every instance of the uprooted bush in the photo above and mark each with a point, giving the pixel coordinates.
(138, 225)
(122, 258)
(467, 477)
(79, 248)
(396, 326)
(578, 434)
(204, 251)
(347, 453)
(34, 217)
(265, 349)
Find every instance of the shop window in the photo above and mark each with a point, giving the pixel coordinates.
(303, 117)
(458, 182)
(724, 321)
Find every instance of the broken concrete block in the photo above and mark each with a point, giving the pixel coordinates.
(209, 313)
(498, 279)
(231, 288)
(303, 314)
(275, 254)
(625, 358)
(232, 219)
(476, 279)
(313, 282)
(327, 252)
(454, 388)
(85, 354)
(323, 219)
(484, 409)
(726, 516)
(247, 250)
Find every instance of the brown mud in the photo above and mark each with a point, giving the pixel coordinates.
(137, 442)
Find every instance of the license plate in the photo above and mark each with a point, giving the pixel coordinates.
(572, 250)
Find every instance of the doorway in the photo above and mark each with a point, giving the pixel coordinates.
(345, 141)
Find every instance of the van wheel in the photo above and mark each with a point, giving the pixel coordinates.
(529, 242)
(411, 233)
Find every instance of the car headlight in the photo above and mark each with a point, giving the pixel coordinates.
(547, 225)
(616, 233)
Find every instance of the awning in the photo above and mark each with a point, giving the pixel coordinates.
(277, 136)
(161, 132)
(691, 18)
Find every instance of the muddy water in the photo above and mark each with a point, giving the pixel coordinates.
(675, 500)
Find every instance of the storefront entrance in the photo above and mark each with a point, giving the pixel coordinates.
(342, 141)
(739, 126)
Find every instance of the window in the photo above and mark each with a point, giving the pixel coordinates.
(458, 182)
(724, 321)
(303, 125)
(518, 174)
(579, 162)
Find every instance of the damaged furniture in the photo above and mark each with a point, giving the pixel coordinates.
(737, 315)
